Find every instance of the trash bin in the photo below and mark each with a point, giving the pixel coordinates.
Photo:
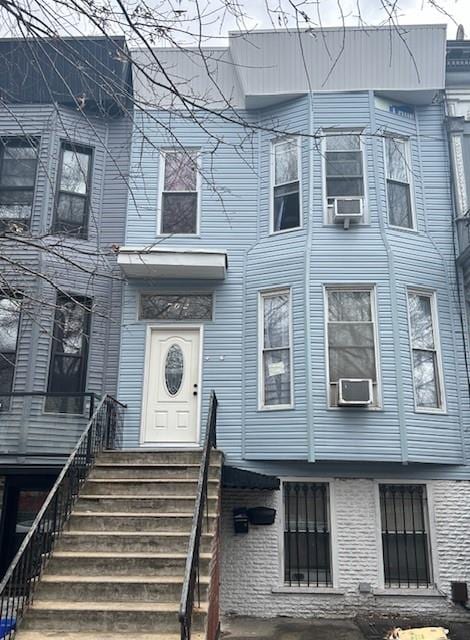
(6, 625)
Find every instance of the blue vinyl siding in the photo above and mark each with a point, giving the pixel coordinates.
(307, 260)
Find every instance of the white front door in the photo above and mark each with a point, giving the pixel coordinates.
(172, 386)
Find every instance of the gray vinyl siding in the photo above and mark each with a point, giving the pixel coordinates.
(25, 428)
(306, 261)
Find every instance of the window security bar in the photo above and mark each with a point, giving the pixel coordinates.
(306, 534)
(405, 537)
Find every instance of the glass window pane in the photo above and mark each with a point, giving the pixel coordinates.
(70, 328)
(276, 377)
(176, 307)
(397, 163)
(343, 142)
(286, 162)
(18, 165)
(422, 335)
(343, 164)
(71, 210)
(286, 207)
(276, 321)
(180, 171)
(351, 351)
(179, 213)
(399, 205)
(344, 187)
(74, 175)
(9, 323)
(15, 205)
(425, 379)
(349, 306)
(7, 372)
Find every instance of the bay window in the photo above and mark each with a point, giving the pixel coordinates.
(351, 329)
(400, 210)
(18, 163)
(73, 196)
(286, 184)
(276, 350)
(426, 357)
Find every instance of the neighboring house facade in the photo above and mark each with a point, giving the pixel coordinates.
(64, 141)
(289, 245)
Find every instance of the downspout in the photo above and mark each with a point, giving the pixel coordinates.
(393, 290)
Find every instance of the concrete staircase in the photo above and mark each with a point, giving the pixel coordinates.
(117, 570)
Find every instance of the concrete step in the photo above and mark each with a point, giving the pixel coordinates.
(129, 588)
(107, 617)
(91, 563)
(104, 470)
(128, 542)
(62, 635)
(132, 521)
(165, 504)
(136, 487)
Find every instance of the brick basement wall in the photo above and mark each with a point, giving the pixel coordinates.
(251, 564)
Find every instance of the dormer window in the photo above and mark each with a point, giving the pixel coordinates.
(285, 170)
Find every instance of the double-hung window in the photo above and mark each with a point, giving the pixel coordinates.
(18, 163)
(307, 545)
(426, 357)
(405, 537)
(286, 184)
(276, 350)
(351, 328)
(400, 209)
(344, 172)
(179, 206)
(68, 366)
(73, 196)
(10, 309)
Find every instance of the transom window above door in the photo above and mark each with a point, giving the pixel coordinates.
(185, 306)
(285, 184)
(180, 193)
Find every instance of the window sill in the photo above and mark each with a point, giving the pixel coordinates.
(409, 592)
(307, 590)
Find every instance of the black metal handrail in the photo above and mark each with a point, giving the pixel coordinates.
(18, 584)
(192, 574)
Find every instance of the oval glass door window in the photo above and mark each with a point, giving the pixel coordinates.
(174, 367)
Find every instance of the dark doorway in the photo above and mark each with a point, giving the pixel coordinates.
(23, 497)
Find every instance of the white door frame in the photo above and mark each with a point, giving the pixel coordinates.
(148, 342)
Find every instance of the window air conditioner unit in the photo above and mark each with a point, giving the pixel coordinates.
(355, 392)
(347, 209)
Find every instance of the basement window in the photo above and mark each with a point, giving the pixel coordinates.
(307, 542)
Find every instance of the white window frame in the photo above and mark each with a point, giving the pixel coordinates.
(432, 295)
(432, 540)
(408, 160)
(272, 183)
(372, 289)
(327, 220)
(270, 293)
(333, 537)
(161, 184)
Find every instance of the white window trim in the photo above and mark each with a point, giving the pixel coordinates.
(262, 294)
(363, 148)
(430, 293)
(372, 288)
(408, 159)
(432, 539)
(161, 181)
(273, 184)
(333, 538)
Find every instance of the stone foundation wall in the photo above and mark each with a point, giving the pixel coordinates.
(252, 563)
